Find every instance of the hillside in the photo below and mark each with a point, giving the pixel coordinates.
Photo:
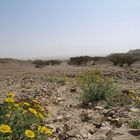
(8, 60)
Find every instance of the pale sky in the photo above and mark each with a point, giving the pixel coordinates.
(53, 28)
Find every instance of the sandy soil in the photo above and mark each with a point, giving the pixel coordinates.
(67, 118)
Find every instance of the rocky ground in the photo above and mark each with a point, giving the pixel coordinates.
(57, 86)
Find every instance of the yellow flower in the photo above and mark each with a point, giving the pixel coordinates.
(9, 100)
(110, 80)
(7, 115)
(24, 111)
(45, 130)
(20, 108)
(30, 133)
(25, 103)
(5, 129)
(9, 107)
(33, 111)
(98, 78)
(40, 115)
(39, 127)
(16, 105)
(132, 92)
(35, 101)
(11, 94)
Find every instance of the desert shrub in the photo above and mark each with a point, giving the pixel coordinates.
(79, 60)
(95, 87)
(114, 58)
(96, 58)
(83, 60)
(39, 66)
(61, 80)
(122, 58)
(124, 99)
(130, 59)
(42, 63)
(135, 53)
(54, 62)
(22, 120)
(134, 123)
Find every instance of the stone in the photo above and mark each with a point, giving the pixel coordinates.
(59, 118)
(84, 117)
(105, 130)
(97, 124)
(134, 132)
(110, 113)
(124, 137)
(73, 89)
(85, 136)
(122, 134)
(59, 99)
(116, 122)
(62, 136)
(125, 91)
(99, 107)
(97, 136)
(133, 109)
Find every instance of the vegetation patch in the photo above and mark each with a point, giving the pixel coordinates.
(61, 80)
(22, 120)
(42, 63)
(122, 58)
(82, 60)
(96, 87)
(134, 124)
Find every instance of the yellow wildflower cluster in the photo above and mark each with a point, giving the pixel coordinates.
(21, 116)
(133, 96)
(45, 130)
(25, 103)
(33, 111)
(9, 100)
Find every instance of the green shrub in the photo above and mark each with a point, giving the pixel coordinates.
(123, 99)
(134, 124)
(114, 58)
(54, 62)
(83, 60)
(79, 60)
(122, 58)
(130, 59)
(95, 87)
(42, 63)
(96, 58)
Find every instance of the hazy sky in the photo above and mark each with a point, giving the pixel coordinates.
(52, 28)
